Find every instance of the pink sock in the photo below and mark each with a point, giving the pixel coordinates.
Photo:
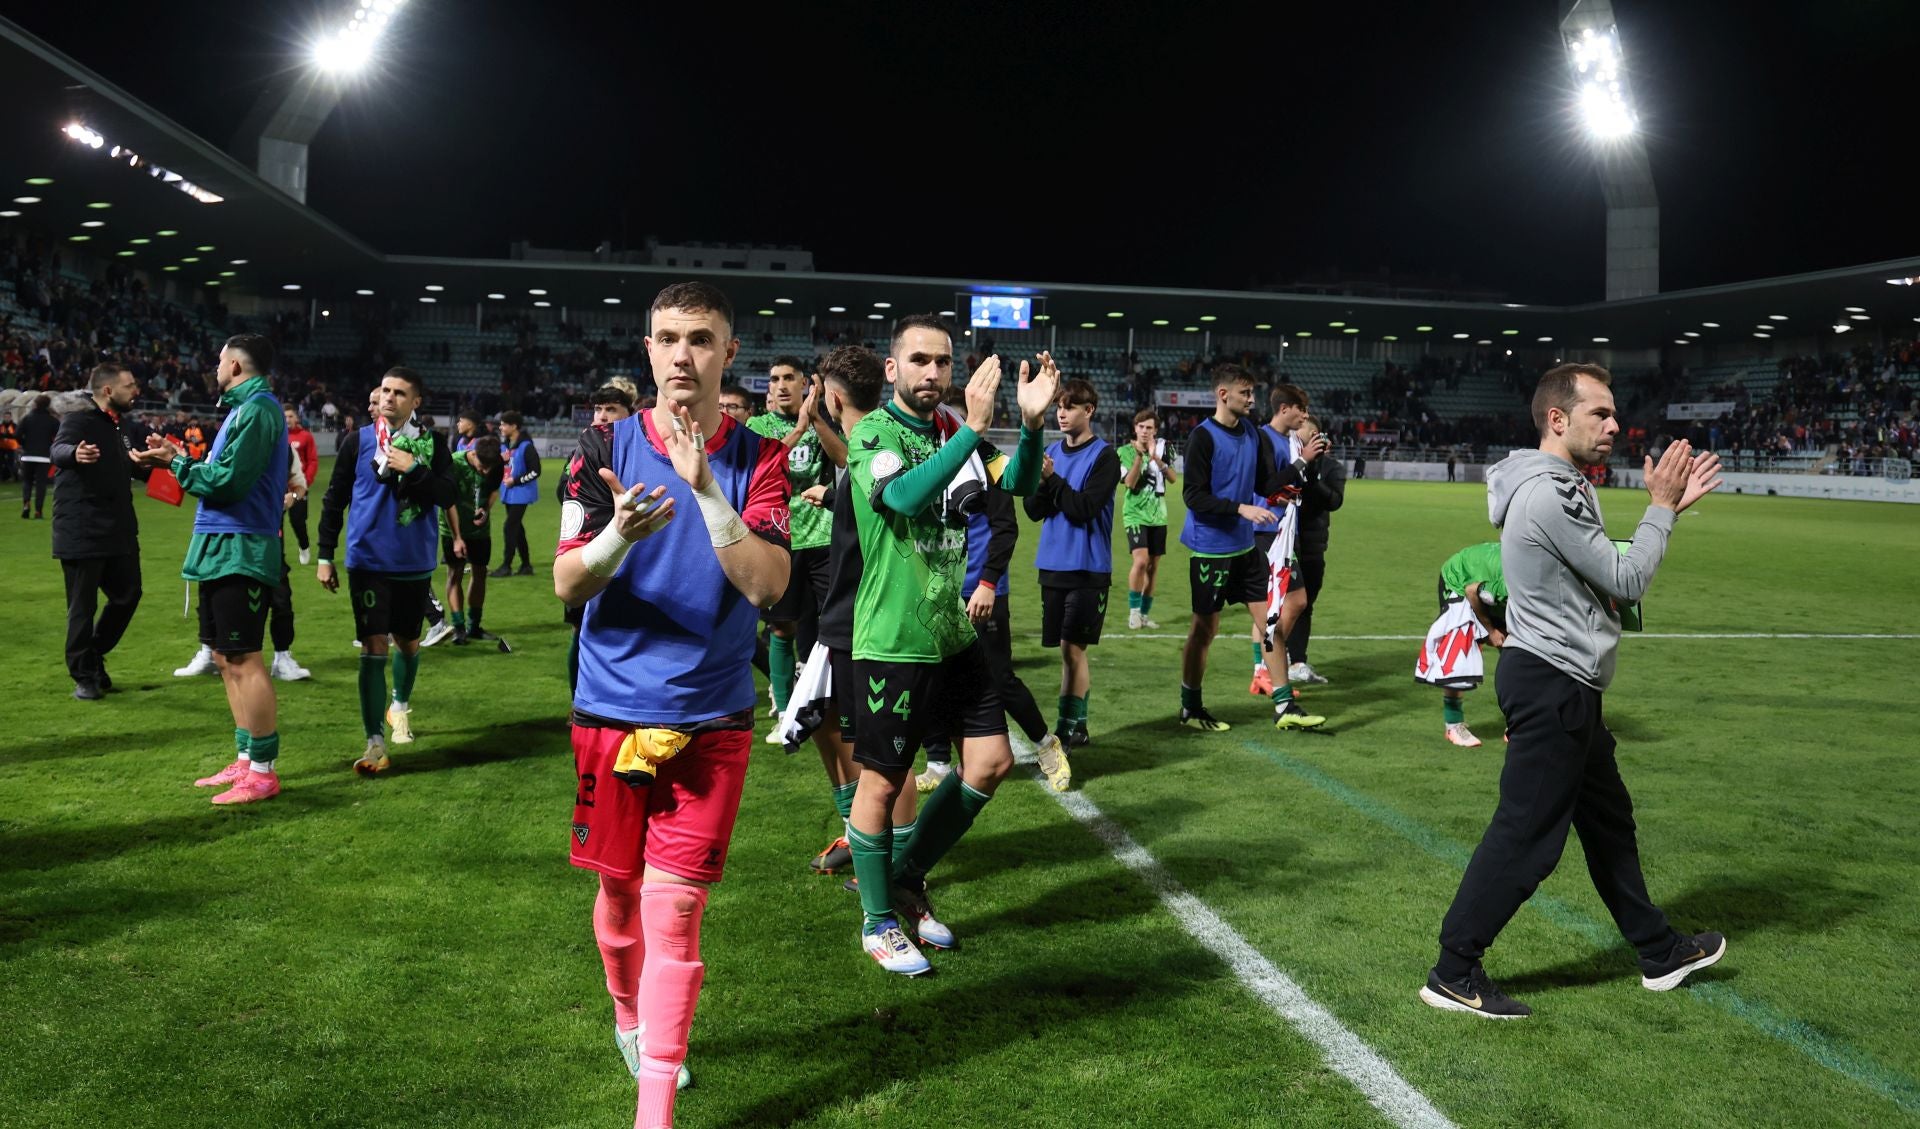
(669, 988)
(623, 948)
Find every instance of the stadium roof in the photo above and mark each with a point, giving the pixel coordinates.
(281, 243)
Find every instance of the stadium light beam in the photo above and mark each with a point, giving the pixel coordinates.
(349, 50)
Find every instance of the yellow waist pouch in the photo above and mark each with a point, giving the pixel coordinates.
(643, 750)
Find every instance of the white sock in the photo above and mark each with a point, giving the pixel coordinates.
(263, 766)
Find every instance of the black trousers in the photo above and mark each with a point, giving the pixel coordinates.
(1560, 772)
(297, 517)
(280, 608)
(516, 537)
(33, 486)
(1313, 573)
(997, 639)
(88, 639)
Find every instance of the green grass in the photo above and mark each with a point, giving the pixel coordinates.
(416, 951)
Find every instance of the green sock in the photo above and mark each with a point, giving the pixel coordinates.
(944, 818)
(242, 740)
(1453, 710)
(405, 669)
(902, 840)
(1259, 655)
(873, 866)
(1080, 712)
(459, 618)
(373, 692)
(1133, 600)
(265, 750)
(1146, 603)
(1190, 698)
(780, 669)
(843, 798)
(1283, 693)
(1066, 714)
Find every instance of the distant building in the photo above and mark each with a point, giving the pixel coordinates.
(697, 255)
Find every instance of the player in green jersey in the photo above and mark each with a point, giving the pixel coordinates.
(1144, 473)
(917, 664)
(466, 538)
(1473, 574)
(796, 417)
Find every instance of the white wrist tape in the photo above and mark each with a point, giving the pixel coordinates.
(603, 555)
(724, 526)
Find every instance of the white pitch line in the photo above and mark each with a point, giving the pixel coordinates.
(1624, 635)
(1373, 1076)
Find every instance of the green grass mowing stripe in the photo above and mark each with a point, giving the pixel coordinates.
(1835, 1056)
(1345, 1052)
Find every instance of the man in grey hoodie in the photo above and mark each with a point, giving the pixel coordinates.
(1566, 584)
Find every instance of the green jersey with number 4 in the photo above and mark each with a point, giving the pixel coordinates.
(908, 606)
(807, 466)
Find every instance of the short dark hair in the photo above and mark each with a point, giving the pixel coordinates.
(413, 378)
(792, 362)
(1286, 396)
(473, 418)
(732, 389)
(487, 450)
(257, 349)
(43, 403)
(858, 373)
(694, 296)
(1077, 393)
(919, 321)
(1145, 414)
(611, 394)
(511, 419)
(104, 374)
(1559, 387)
(1224, 375)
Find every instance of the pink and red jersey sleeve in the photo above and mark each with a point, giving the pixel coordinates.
(766, 509)
(586, 501)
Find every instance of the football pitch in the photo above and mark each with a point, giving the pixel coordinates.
(1211, 929)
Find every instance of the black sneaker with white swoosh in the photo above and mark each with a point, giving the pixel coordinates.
(1688, 954)
(1474, 994)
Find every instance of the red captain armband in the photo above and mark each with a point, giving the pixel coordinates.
(1285, 496)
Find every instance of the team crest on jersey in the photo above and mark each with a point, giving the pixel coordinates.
(899, 746)
(580, 833)
(886, 464)
(573, 516)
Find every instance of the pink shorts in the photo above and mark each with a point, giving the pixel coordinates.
(681, 823)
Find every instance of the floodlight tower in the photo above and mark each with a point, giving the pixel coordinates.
(1604, 105)
(275, 135)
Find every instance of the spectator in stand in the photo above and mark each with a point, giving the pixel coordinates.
(37, 432)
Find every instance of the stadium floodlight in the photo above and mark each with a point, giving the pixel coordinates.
(1603, 103)
(348, 51)
(1600, 82)
(1856, 309)
(1850, 317)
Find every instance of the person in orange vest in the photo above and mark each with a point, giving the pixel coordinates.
(9, 447)
(196, 440)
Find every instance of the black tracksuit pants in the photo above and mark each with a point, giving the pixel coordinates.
(1313, 573)
(1560, 772)
(88, 639)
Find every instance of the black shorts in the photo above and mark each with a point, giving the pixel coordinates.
(896, 705)
(233, 613)
(479, 552)
(1072, 615)
(806, 588)
(384, 604)
(1219, 581)
(1152, 538)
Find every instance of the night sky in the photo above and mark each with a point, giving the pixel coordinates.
(1174, 145)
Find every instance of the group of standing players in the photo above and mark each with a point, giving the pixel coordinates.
(682, 529)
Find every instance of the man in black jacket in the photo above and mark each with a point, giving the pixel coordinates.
(1324, 492)
(36, 440)
(95, 531)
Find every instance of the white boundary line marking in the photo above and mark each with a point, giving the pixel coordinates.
(1373, 1076)
(1109, 636)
